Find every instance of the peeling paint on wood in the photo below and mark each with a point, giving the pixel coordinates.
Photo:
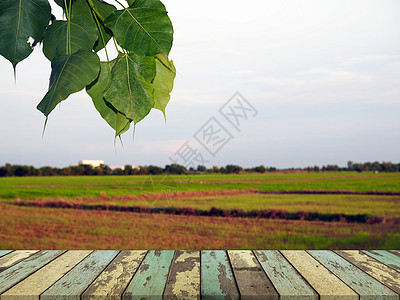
(327, 285)
(283, 276)
(18, 272)
(151, 277)
(369, 265)
(74, 283)
(217, 281)
(37, 283)
(250, 277)
(184, 277)
(386, 257)
(258, 274)
(15, 257)
(366, 286)
(4, 252)
(112, 282)
(395, 252)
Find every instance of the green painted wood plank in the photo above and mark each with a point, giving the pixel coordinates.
(283, 276)
(4, 252)
(365, 285)
(75, 282)
(250, 277)
(184, 276)
(112, 282)
(217, 281)
(327, 285)
(31, 287)
(374, 268)
(151, 277)
(385, 257)
(14, 258)
(395, 252)
(20, 271)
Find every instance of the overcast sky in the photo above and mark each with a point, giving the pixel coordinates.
(322, 79)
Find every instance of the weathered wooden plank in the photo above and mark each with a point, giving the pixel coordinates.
(112, 282)
(369, 265)
(250, 277)
(41, 280)
(184, 276)
(4, 252)
(366, 286)
(15, 257)
(283, 276)
(385, 257)
(18, 272)
(395, 252)
(327, 285)
(217, 281)
(74, 283)
(151, 277)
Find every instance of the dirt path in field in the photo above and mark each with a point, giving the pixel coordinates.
(215, 212)
(333, 192)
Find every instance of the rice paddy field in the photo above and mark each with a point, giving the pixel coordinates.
(342, 210)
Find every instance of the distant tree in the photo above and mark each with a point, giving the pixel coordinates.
(233, 169)
(330, 168)
(175, 169)
(143, 170)
(3, 172)
(21, 171)
(128, 170)
(154, 170)
(260, 169)
(117, 171)
(201, 168)
(47, 171)
(350, 165)
(87, 170)
(214, 169)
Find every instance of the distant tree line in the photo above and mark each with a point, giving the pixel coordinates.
(23, 170)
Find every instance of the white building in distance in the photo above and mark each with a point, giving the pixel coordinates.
(93, 163)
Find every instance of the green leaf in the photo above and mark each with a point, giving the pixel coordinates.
(103, 34)
(102, 11)
(69, 75)
(61, 3)
(103, 8)
(130, 90)
(19, 20)
(115, 119)
(163, 84)
(84, 32)
(143, 28)
(123, 124)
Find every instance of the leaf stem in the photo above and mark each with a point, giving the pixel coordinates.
(68, 13)
(100, 31)
(120, 3)
(115, 43)
(93, 7)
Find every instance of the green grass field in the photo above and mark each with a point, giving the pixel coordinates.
(33, 227)
(39, 187)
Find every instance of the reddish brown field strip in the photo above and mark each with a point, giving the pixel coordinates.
(49, 228)
(332, 192)
(214, 212)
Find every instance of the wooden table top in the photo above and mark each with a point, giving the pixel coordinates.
(169, 274)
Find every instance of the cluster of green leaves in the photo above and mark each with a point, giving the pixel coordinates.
(123, 90)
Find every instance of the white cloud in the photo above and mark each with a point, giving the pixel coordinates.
(370, 58)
